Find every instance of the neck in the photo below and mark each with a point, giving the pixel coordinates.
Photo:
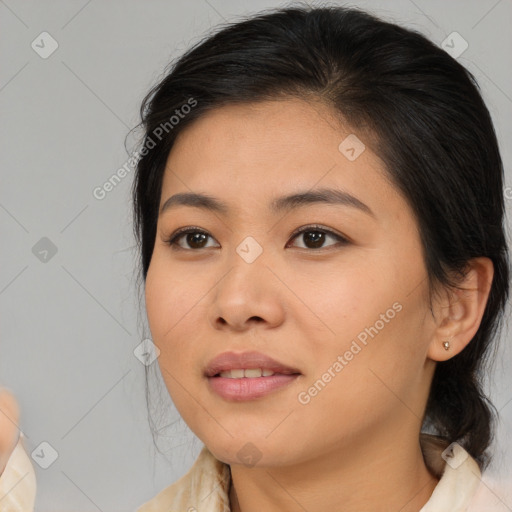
(375, 474)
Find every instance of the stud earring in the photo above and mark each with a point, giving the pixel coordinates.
(446, 345)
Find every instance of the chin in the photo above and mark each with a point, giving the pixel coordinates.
(250, 453)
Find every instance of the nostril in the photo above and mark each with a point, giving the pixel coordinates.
(223, 321)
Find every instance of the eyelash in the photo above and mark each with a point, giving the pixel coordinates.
(172, 240)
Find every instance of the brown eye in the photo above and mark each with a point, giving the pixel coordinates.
(196, 240)
(314, 238)
(193, 239)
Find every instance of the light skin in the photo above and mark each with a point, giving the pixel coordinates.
(355, 445)
(9, 421)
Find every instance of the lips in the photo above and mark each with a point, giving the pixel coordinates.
(237, 377)
(246, 360)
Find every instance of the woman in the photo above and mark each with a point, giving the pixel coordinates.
(318, 203)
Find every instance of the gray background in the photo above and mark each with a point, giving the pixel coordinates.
(70, 323)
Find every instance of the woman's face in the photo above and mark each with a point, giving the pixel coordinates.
(341, 306)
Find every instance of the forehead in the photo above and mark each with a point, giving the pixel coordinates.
(267, 148)
(287, 127)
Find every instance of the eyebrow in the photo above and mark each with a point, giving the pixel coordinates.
(278, 205)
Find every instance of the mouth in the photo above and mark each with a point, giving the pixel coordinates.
(247, 375)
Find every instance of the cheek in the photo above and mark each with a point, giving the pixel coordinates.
(369, 317)
(339, 301)
(171, 301)
(169, 304)
(365, 383)
(170, 297)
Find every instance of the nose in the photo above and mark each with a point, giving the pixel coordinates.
(248, 295)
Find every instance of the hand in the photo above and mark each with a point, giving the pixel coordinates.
(9, 431)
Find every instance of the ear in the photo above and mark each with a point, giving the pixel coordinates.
(458, 312)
